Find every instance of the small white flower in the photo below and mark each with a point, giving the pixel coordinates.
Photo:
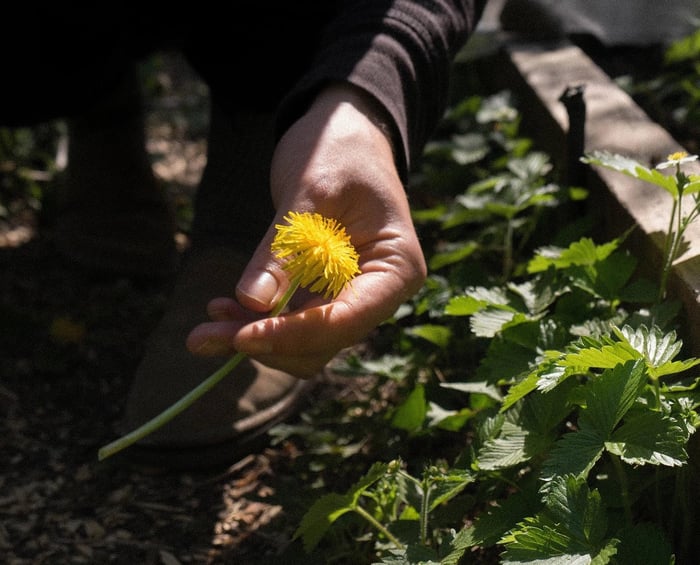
(676, 160)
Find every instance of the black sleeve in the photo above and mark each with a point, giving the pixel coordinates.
(398, 51)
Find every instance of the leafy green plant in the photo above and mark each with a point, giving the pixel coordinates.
(548, 370)
(678, 186)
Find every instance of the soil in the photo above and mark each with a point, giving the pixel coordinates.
(71, 340)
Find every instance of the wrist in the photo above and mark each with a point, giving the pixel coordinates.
(338, 93)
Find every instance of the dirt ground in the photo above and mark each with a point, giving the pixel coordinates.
(70, 343)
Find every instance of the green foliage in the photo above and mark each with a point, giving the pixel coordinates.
(554, 369)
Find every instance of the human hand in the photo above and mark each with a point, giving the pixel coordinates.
(336, 161)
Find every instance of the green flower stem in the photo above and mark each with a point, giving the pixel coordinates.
(371, 519)
(186, 401)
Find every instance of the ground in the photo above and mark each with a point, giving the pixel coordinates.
(70, 343)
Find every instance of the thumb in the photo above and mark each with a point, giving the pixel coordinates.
(263, 281)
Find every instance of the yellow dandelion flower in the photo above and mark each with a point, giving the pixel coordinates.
(317, 252)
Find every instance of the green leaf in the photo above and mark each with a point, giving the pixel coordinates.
(583, 252)
(321, 516)
(475, 388)
(464, 306)
(411, 414)
(327, 509)
(490, 321)
(650, 438)
(513, 446)
(575, 453)
(436, 334)
(612, 274)
(446, 485)
(493, 524)
(571, 502)
(453, 253)
(632, 168)
(657, 348)
(520, 390)
(611, 395)
(570, 529)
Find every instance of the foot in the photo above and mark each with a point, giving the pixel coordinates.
(223, 424)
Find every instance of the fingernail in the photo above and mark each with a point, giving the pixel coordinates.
(262, 288)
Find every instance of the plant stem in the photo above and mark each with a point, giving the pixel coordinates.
(186, 401)
(371, 519)
(669, 244)
(173, 410)
(624, 488)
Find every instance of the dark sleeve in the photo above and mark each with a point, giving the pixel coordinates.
(401, 53)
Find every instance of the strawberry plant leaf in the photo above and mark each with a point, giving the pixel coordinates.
(610, 396)
(632, 168)
(650, 438)
(657, 348)
(513, 446)
(327, 509)
(569, 530)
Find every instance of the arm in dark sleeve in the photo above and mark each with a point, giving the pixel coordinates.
(398, 51)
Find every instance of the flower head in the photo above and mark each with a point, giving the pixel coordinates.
(676, 160)
(317, 251)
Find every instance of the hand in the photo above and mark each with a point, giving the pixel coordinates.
(337, 161)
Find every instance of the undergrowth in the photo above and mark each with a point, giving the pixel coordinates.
(545, 373)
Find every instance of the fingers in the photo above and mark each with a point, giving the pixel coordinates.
(303, 341)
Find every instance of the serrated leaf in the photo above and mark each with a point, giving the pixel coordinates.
(513, 446)
(575, 453)
(321, 516)
(448, 485)
(504, 361)
(632, 168)
(475, 388)
(592, 353)
(327, 509)
(650, 438)
(583, 252)
(519, 391)
(569, 530)
(491, 321)
(611, 395)
(657, 348)
(570, 502)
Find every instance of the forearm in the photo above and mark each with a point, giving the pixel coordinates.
(399, 52)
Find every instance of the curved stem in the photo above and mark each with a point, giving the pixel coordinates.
(371, 519)
(186, 401)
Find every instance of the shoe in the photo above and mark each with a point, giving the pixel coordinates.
(224, 424)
